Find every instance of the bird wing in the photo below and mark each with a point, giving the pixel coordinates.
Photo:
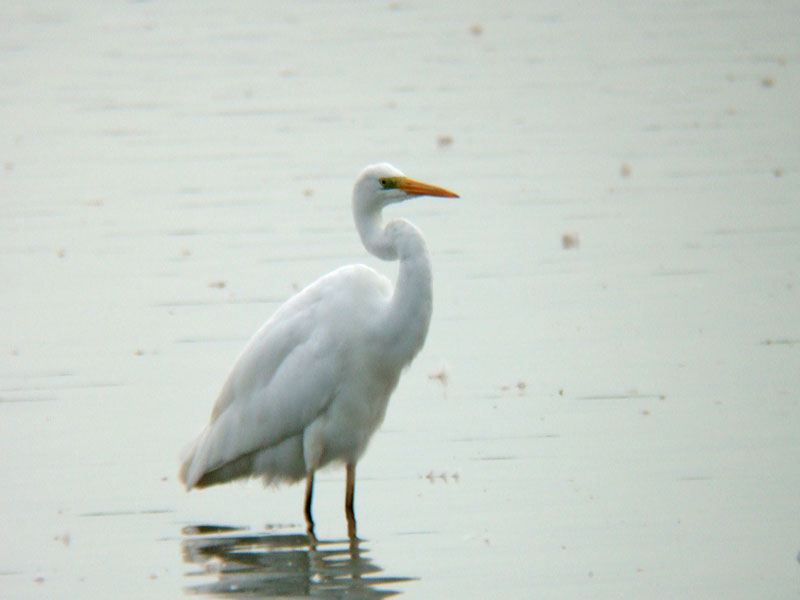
(287, 374)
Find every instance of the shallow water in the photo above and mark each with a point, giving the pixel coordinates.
(608, 403)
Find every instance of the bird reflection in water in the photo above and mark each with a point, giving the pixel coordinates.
(281, 564)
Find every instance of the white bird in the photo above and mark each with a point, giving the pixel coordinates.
(311, 387)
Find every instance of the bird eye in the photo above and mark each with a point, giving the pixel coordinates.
(383, 181)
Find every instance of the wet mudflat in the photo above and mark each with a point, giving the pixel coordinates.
(608, 403)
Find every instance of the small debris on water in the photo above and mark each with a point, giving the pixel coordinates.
(433, 476)
(780, 342)
(520, 387)
(444, 140)
(442, 375)
(570, 240)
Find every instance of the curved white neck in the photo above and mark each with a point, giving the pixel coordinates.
(409, 312)
(373, 236)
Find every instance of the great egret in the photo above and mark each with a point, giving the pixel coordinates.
(312, 385)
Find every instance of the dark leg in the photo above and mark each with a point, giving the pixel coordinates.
(349, 496)
(307, 505)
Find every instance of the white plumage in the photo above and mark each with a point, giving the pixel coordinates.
(312, 385)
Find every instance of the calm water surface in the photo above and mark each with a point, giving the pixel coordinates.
(608, 403)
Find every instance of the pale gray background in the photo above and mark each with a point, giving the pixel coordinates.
(620, 420)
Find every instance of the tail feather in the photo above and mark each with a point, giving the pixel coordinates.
(196, 472)
(194, 461)
(241, 468)
(201, 467)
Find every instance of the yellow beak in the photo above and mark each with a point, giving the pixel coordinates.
(420, 188)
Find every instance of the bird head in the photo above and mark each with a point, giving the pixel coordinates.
(382, 184)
